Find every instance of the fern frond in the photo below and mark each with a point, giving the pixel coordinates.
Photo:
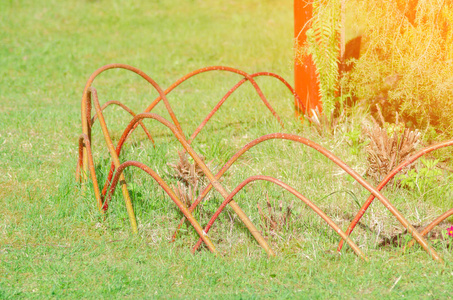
(323, 45)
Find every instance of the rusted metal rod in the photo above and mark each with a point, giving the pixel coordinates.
(348, 170)
(85, 141)
(205, 170)
(85, 111)
(219, 68)
(234, 88)
(201, 126)
(118, 103)
(116, 161)
(384, 182)
(292, 191)
(433, 224)
(209, 115)
(169, 192)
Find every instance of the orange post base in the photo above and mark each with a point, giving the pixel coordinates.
(305, 78)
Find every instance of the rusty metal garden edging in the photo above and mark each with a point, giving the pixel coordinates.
(85, 165)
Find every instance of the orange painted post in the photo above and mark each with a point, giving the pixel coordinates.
(306, 81)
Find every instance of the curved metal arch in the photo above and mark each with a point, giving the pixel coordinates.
(231, 91)
(139, 72)
(203, 123)
(123, 106)
(386, 180)
(86, 105)
(338, 162)
(217, 68)
(259, 238)
(310, 204)
(169, 192)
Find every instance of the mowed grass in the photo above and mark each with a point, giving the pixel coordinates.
(54, 243)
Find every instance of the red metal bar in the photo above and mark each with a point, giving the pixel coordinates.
(384, 182)
(292, 191)
(84, 141)
(208, 117)
(118, 103)
(217, 68)
(341, 164)
(214, 182)
(305, 78)
(169, 192)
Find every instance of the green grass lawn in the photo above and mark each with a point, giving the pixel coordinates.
(53, 241)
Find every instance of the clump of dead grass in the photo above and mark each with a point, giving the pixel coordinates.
(191, 179)
(276, 218)
(390, 144)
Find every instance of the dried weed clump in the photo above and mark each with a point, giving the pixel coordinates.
(276, 219)
(191, 179)
(389, 145)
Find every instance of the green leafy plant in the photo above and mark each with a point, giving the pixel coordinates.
(423, 179)
(356, 141)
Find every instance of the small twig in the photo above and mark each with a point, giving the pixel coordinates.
(396, 281)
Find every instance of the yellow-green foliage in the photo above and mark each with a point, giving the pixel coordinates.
(419, 53)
